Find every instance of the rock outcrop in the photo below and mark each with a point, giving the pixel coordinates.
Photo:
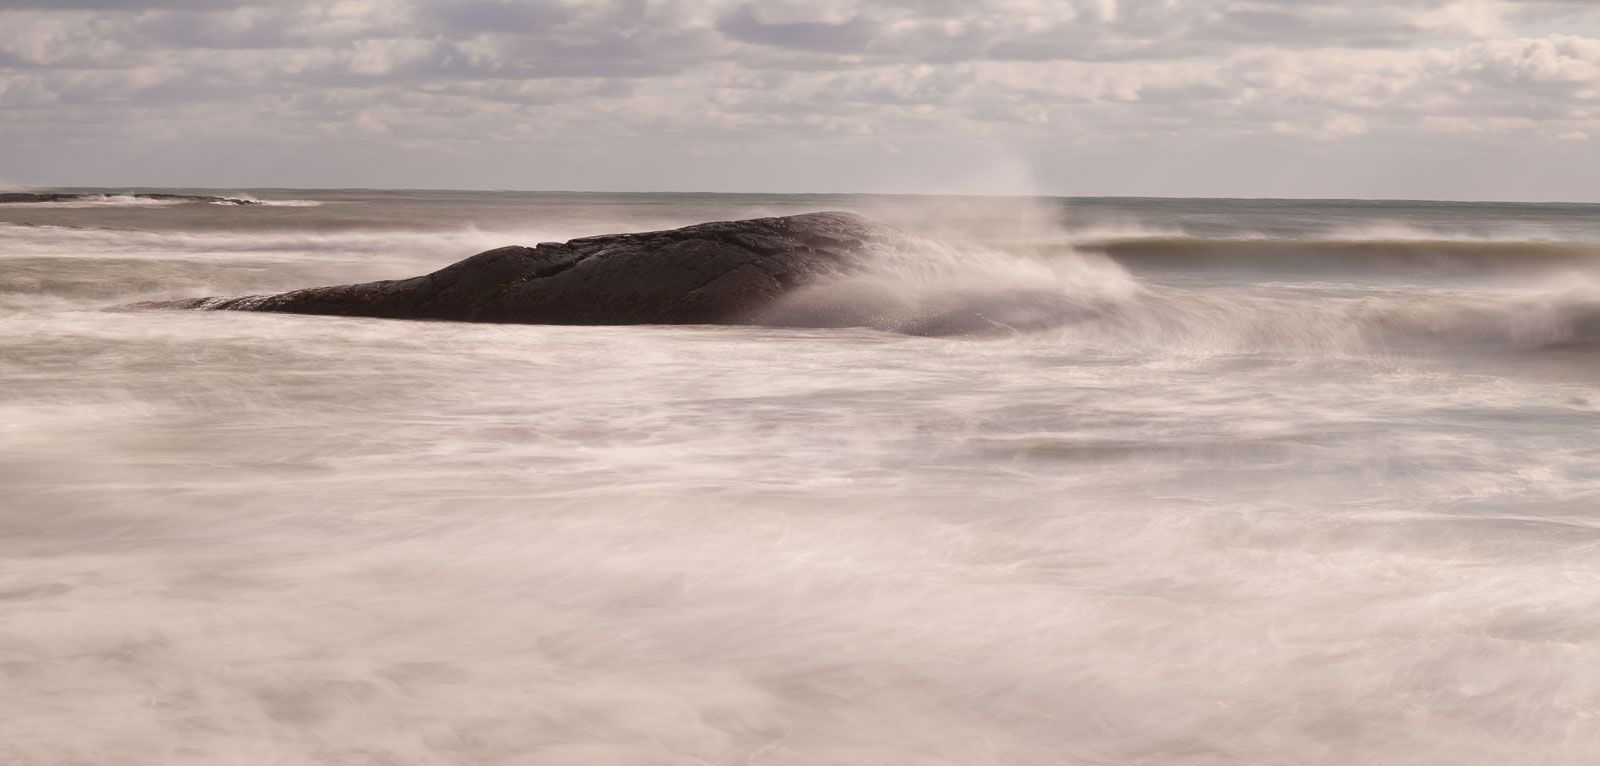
(727, 272)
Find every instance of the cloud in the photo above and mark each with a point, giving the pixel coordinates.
(470, 17)
(125, 5)
(1335, 126)
(745, 25)
(726, 78)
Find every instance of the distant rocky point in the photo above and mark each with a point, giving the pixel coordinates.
(25, 197)
(727, 272)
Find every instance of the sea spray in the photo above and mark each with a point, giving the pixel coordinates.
(913, 284)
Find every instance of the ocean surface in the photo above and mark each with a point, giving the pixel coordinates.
(1225, 482)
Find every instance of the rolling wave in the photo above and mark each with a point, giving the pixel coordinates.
(926, 287)
(108, 200)
(280, 202)
(1355, 322)
(1375, 256)
(152, 200)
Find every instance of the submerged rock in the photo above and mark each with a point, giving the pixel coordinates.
(728, 272)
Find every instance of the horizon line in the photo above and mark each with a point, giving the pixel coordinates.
(1224, 198)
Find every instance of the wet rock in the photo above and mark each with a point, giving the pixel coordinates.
(727, 272)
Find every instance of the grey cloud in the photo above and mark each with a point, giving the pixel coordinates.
(622, 38)
(496, 16)
(934, 32)
(214, 30)
(126, 5)
(524, 57)
(1283, 26)
(745, 25)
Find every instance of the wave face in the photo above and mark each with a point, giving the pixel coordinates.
(920, 286)
(72, 199)
(1161, 482)
(1323, 321)
(1360, 258)
(1410, 292)
(1115, 295)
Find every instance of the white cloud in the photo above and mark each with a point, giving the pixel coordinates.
(641, 79)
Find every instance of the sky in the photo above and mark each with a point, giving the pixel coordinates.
(1428, 99)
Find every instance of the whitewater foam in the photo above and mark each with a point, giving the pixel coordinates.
(1224, 516)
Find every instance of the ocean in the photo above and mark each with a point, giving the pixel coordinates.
(1221, 482)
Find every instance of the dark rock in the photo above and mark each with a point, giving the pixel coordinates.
(728, 272)
(24, 197)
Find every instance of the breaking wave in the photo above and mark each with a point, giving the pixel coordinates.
(920, 286)
(109, 200)
(1312, 322)
(924, 287)
(281, 202)
(1347, 256)
(157, 200)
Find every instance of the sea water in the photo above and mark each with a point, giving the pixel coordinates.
(1221, 481)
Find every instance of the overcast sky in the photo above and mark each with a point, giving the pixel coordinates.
(1445, 99)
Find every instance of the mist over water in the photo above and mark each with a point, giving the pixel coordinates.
(1193, 482)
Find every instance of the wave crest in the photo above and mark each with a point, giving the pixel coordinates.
(1352, 256)
(919, 286)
